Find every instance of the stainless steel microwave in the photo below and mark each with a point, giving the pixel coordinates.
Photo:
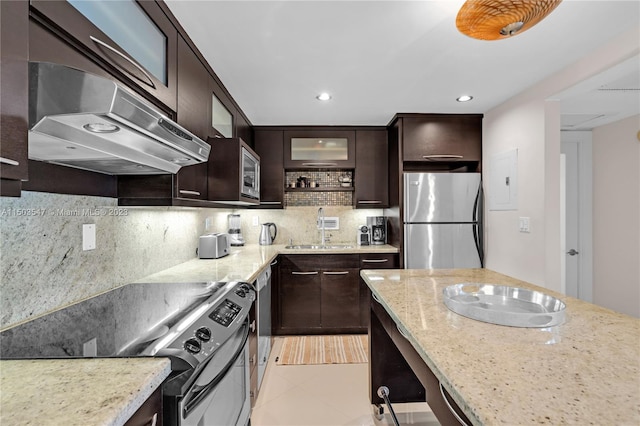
(250, 185)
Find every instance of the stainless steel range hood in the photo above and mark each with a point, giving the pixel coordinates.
(85, 121)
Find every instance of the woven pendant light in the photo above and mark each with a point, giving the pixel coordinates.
(498, 19)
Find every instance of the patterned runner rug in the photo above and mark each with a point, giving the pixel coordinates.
(339, 349)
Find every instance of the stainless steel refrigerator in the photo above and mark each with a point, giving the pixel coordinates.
(443, 220)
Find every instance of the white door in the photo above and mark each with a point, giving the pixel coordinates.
(576, 211)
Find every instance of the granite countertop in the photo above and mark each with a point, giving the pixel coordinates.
(107, 391)
(585, 371)
(245, 263)
(69, 392)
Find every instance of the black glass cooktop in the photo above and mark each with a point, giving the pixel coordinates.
(122, 322)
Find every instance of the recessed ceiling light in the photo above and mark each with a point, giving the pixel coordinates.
(323, 96)
(464, 98)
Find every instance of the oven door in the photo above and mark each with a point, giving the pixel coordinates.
(219, 391)
(250, 175)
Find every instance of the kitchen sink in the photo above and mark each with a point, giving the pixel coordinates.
(318, 246)
(504, 305)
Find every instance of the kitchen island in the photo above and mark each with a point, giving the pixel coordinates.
(585, 371)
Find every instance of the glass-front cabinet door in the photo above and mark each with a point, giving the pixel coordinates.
(135, 40)
(309, 149)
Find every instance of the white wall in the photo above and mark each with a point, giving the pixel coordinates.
(530, 123)
(616, 216)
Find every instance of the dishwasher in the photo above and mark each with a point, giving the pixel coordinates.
(263, 287)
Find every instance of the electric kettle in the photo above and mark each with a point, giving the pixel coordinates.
(266, 239)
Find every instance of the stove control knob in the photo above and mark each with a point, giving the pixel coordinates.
(240, 292)
(192, 346)
(204, 334)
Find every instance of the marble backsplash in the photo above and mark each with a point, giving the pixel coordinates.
(43, 267)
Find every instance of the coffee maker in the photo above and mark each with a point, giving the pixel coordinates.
(235, 233)
(378, 229)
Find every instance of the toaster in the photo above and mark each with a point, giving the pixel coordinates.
(213, 246)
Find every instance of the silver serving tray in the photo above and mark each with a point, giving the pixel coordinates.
(504, 305)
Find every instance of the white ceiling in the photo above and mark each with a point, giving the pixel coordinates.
(378, 58)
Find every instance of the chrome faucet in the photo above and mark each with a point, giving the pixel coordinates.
(320, 222)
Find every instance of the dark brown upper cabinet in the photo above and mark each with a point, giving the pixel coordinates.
(194, 112)
(144, 56)
(442, 138)
(306, 149)
(232, 172)
(14, 84)
(269, 145)
(372, 169)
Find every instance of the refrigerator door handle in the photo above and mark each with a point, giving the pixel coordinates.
(477, 227)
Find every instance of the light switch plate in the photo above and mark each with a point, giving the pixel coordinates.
(524, 224)
(88, 236)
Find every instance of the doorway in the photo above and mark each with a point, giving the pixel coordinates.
(576, 211)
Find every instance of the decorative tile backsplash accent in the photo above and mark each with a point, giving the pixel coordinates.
(319, 179)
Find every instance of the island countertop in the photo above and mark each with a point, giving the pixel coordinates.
(584, 371)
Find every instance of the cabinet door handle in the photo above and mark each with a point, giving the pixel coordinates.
(9, 161)
(125, 57)
(304, 273)
(154, 420)
(274, 263)
(375, 260)
(252, 326)
(335, 273)
(369, 202)
(188, 192)
(446, 401)
(319, 164)
(442, 157)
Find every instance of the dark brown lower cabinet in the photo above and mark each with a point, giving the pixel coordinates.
(394, 363)
(324, 294)
(340, 298)
(150, 413)
(373, 261)
(318, 295)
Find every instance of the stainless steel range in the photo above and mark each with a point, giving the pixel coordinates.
(202, 327)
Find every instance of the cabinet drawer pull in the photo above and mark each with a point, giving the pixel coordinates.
(442, 157)
(125, 57)
(304, 273)
(9, 161)
(375, 260)
(376, 298)
(274, 263)
(270, 202)
(319, 164)
(187, 192)
(154, 420)
(446, 401)
(335, 273)
(369, 202)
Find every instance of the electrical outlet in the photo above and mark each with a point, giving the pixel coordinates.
(255, 220)
(88, 236)
(524, 224)
(90, 348)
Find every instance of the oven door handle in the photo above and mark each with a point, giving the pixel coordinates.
(196, 393)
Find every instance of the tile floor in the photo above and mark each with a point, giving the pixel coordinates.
(326, 395)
